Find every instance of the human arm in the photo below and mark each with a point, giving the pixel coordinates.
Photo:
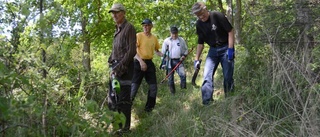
(159, 53)
(164, 46)
(231, 39)
(126, 50)
(199, 51)
(201, 40)
(228, 28)
(143, 65)
(164, 50)
(231, 45)
(184, 49)
(157, 47)
(198, 54)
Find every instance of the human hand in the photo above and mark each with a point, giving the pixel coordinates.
(163, 66)
(112, 74)
(182, 58)
(143, 66)
(196, 64)
(230, 54)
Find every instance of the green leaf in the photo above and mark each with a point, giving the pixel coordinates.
(92, 106)
(4, 108)
(25, 10)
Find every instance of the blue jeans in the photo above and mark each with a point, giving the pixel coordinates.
(181, 72)
(215, 56)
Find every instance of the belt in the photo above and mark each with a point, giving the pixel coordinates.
(175, 58)
(144, 59)
(219, 44)
(147, 59)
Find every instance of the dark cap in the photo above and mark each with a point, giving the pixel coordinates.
(117, 7)
(146, 21)
(173, 29)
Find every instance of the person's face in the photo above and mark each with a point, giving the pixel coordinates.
(147, 28)
(174, 35)
(202, 15)
(118, 16)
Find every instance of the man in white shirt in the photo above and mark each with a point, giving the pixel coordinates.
(175, 50)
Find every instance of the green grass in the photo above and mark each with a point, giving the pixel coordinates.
(272, 98)
(262, 105)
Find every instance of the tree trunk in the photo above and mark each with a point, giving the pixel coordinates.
(221, 6)
(305, 43)
(304, 48)
(237, 22)
(230, 11)
(86, 45)
(44, 75)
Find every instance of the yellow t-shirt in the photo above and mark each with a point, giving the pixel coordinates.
(146, 45)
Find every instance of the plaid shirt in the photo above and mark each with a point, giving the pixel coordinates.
(124, 48)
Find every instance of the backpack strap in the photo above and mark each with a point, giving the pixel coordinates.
(214, 21)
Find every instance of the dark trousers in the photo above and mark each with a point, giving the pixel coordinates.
(150, 77)
(123, 103)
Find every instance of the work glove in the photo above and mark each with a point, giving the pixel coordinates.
(196, 64)
(230, 54)
(163, 66)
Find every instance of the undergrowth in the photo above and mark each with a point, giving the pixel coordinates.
(273, 97)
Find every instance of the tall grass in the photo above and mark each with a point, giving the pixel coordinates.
(276, 94)
(274, 97)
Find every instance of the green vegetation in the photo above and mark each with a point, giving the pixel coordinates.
(54, 82)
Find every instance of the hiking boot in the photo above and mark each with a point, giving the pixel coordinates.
(172, 89)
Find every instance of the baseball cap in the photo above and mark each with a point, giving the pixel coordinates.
(197, 7)
(146, 21)
(173, 29)
(117, 7)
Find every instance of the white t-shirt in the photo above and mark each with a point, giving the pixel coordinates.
(175, 49)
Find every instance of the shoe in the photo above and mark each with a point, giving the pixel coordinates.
(172, 89)
(121, 132)
(148, 109)
(207, 102)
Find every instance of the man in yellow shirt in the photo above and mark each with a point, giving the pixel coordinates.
(147, 45)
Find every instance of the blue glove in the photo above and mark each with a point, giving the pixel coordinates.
(230, 54)
(196, 64)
